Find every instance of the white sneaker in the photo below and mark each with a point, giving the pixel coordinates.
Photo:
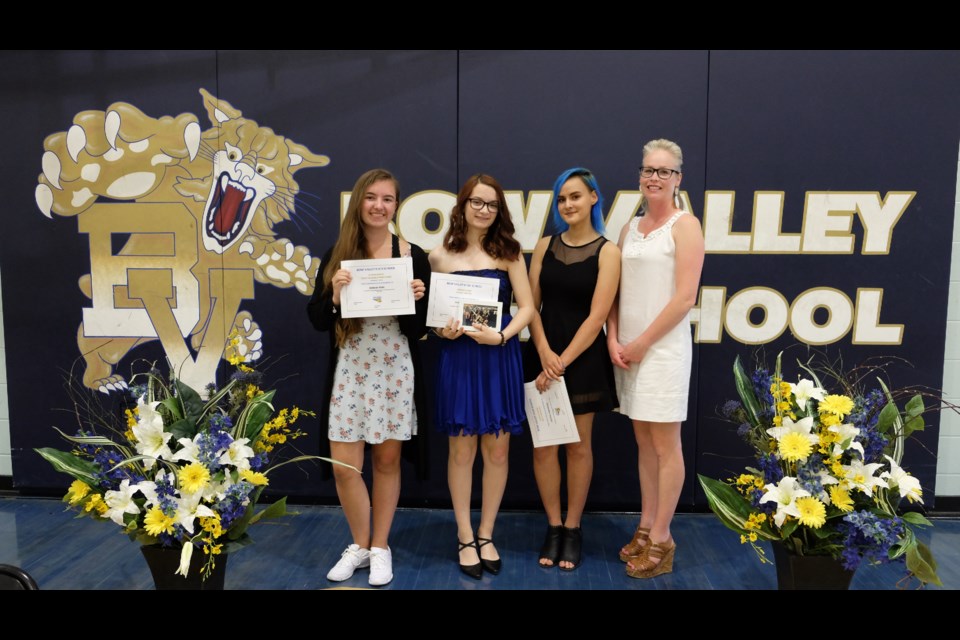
(352, 558)
(381, 566)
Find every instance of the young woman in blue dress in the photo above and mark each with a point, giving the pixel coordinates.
(479, 374)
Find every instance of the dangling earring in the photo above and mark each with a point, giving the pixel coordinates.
(676, 197)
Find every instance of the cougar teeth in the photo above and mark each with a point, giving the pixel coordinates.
(191, 136)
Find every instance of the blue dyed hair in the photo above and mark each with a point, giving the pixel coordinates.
(596, 211)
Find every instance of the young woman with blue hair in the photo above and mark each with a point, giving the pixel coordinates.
(573, 276)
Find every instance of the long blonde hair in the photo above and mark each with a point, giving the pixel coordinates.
(352, 243)
(673, 149)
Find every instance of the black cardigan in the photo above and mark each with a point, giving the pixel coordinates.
(323, 315)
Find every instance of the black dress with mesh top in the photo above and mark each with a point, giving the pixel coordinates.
(568, 279)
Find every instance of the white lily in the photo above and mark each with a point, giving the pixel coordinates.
(804, 390)
(238, 454)
(803, 427)
(908, 485)
(185, 554)
(847, 434)
(785, 494)
(216, 490)
(121, 502)
(151, 438)
(189, 509)
(860, 476)
(189, 449)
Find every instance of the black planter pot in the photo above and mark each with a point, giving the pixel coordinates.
(164, 562)
(809, 572)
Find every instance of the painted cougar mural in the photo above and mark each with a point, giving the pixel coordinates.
(180, 224)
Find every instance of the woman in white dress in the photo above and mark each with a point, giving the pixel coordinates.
(372, 390)
(648, 336)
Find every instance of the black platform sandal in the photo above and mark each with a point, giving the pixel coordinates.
(570, 550)
(551, 546)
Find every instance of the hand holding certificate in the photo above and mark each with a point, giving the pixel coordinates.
(378, 288)
(550, 415)
(449, 291)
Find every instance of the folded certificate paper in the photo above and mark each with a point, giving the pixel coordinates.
(448, 291)
(378, 288)
(550, 415)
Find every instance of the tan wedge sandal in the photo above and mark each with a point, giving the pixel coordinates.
(637, 546)
(646, 567)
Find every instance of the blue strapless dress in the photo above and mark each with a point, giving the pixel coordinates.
(480, 387)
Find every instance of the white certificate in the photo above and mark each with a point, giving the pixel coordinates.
(448, 291)
(550, 414)
(378, 288)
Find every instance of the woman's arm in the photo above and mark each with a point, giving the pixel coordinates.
(688, 238)
(517, 272)
(608, 280)
(614, 348)
(550, 362)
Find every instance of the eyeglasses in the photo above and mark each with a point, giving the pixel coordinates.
(663, 173)
(478, 205)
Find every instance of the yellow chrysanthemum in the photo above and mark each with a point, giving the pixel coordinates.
(156, 522)
(244, 368)
(131, 415)
(841, 499)
(777, 420)
(77, 492)
(783, 406)
(254, 477)
(252, 390)
(795, 447)
(193, 477)
(752, 537)
(813, 513)
(743, 539)
(837, 405)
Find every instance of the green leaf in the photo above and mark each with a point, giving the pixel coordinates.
(888, 416)
(276, 510)
(746, 393)
(915, 518)
(173, 407)
(191, 401)
(185, 428)
(732, 508)
(302, 458)
(257, 413)
(920, 562)
(911, 425)
(787, 529)
(915, 406)
(66, 462)
(94, 440)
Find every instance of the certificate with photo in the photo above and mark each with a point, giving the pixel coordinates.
(448, 290)
(550, 415)
(378, 288)
(481, 312)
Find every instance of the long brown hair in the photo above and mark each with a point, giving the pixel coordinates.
(352, 243)
(498, 242)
